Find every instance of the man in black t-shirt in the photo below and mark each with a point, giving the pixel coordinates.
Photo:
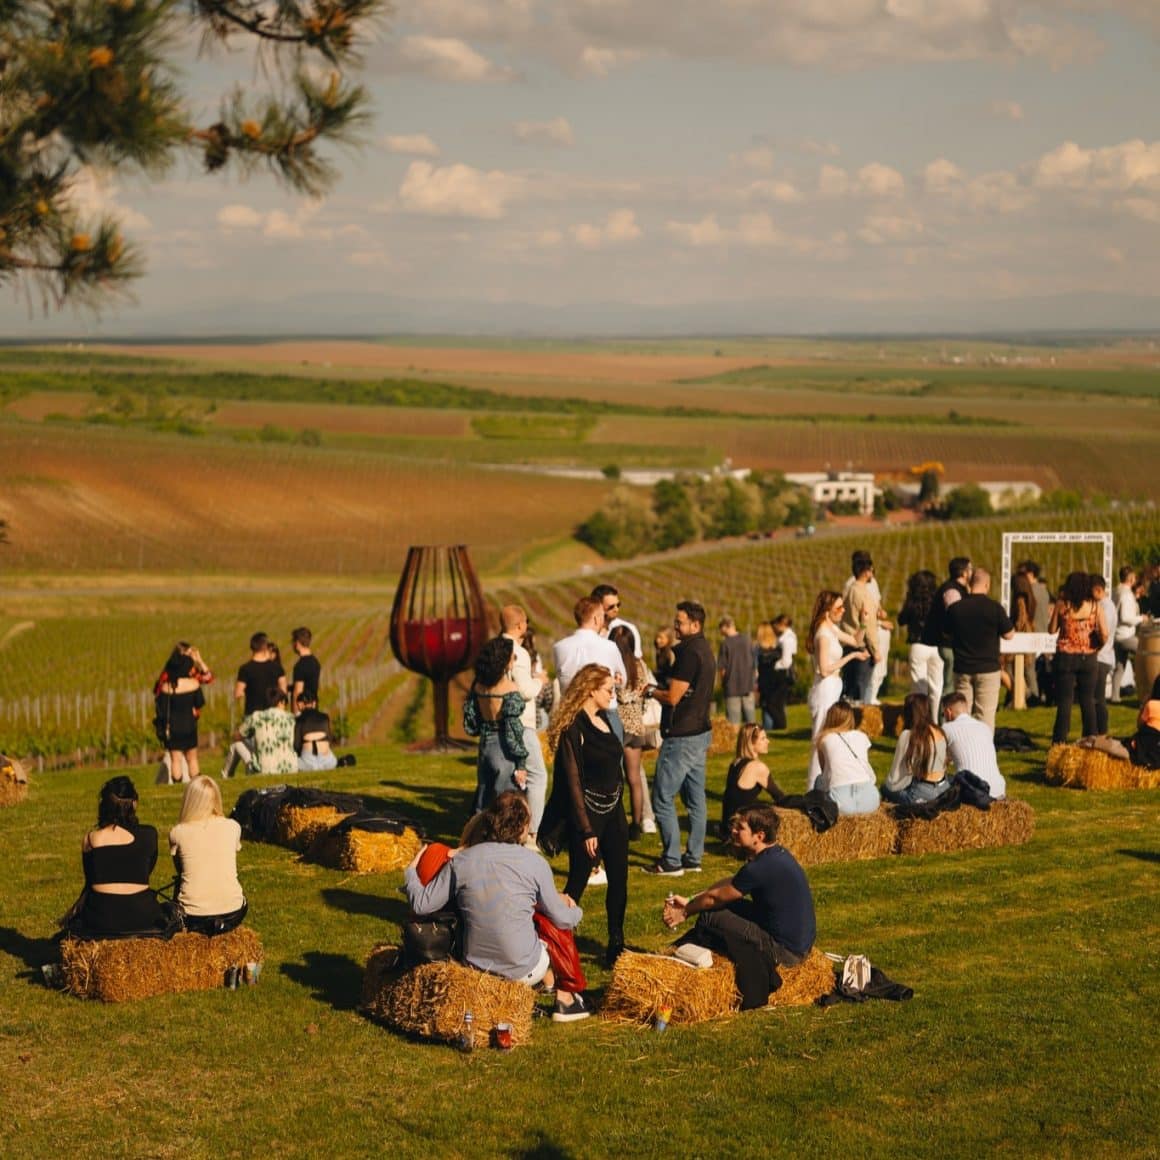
(261, 673)
(976, 622)
(952, 590)
(685, 705)
(307, 670)
(775, 927)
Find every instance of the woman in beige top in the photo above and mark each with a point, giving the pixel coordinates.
(205, 846)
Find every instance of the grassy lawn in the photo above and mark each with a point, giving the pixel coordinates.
(1032, 1030)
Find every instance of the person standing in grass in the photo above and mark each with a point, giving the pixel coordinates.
(307, 673)
(1125, 640)
(686, 730)
(609, 599)
(529, 684)
(776, 926)
(950, 591)
(1078, 620)
(178, 700)
(631, 706)
(261, 673)
(587, 802)
(977, 623)
(735, 668)
(1106, 656)
(923, 656)
(825, 645)
(493, 712)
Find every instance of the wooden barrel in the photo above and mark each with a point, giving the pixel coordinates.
(1147, 662)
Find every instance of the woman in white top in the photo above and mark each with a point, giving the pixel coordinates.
(844, 755)
(205, 846)
(824, 644)
(919, 770)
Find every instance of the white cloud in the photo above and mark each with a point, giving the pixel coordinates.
(599, 62)
(884, 229)
(275, 224)
(448, 59)
(773, 189)
(833, 181)
(758, 158)
(1129, 165)
(942, 176)
(555, 132)
(457, 191)
(1006, 110)
(619, 227)
(878, 180)
(706, 232)
(412, 144)
(239, 217)
(757, 229)
(1141, 208)
(94, 195)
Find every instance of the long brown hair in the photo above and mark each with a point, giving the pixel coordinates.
(826, 600)
(923, 735)
(583, 685)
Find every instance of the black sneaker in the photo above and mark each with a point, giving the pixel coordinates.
(577, 1009)
(690, 865)
(634, 832)
(664, 870)
(347, 760)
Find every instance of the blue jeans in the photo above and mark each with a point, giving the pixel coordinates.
(494, 774)
(919, 791)
(680, 769)
(738, 709)
(537, 777)
(861, 798)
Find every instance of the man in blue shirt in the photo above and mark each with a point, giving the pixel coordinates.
(775, 926)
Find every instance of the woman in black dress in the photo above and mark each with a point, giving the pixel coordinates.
(587, 799)
(178, 701)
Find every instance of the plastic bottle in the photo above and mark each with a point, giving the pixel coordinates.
(467, 1032)
(663, 1017)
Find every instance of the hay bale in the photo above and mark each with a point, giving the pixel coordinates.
(724, 738)
(364, 851)
(430, 1001)
(13, 781)
(805, 984)
(868, 718)
(891, 719)
(116, 970)
(1081, 768)
(299, 826)
(642, 984)
(383, 961)
(852, 839)
(1006, 823)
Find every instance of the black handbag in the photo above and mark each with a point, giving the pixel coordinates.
(431, 938)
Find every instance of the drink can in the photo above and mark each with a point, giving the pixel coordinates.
(252, 973)
(503, 1036)
(232, 978)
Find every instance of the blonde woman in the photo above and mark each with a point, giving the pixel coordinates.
(824, 644)
(630, 702)
(844, 755)
(205, 846)
(587, 802)
(747, 776)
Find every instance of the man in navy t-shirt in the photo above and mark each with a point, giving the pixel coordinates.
(774, 926)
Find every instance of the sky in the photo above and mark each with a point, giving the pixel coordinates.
(624, 166)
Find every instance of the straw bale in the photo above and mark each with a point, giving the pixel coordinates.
(642, 984)
(853, 838)
(116, 970)
(806, 983)
(383, 961)
(868, 718)
(891, 718)
(364, 852)
(1006, 823)
(13, 781)
(430, 1000)
(1082, 768)
(298, 826)
(723, 742)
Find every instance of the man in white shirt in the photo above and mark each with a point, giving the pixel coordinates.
(609, 599)
(971, 743)
(530, 684)
(587, 647)
(1125, 641)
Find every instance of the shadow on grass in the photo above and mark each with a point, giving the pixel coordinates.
(380, 906)
(32, 952)
(1143, 855)
(442, 811)
(542, 1149)
(334, 979)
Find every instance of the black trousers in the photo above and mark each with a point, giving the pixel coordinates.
(1075, 679)
(776, 697)
(212, 924)
(612, 849)
(733, 932)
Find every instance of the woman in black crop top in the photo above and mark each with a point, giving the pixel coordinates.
(588, 795)
(747, 776)
(118, 857)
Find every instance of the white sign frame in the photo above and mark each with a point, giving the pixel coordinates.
(1010, 539)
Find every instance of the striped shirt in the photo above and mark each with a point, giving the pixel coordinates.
(971, 745)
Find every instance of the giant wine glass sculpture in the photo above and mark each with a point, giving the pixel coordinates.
(438, 624)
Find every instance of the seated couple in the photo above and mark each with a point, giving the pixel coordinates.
(119, 856)
(272, 740)
(774, 927)
(515, 923)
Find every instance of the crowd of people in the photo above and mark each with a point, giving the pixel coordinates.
(607, 709)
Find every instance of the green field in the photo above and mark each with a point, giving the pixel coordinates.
(1031, 1032)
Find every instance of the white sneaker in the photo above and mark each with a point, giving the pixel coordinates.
(598, 877)
(648, 826)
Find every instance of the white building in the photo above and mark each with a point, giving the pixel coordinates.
(828, 486)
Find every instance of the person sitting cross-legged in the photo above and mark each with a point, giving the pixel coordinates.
(775, 926)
